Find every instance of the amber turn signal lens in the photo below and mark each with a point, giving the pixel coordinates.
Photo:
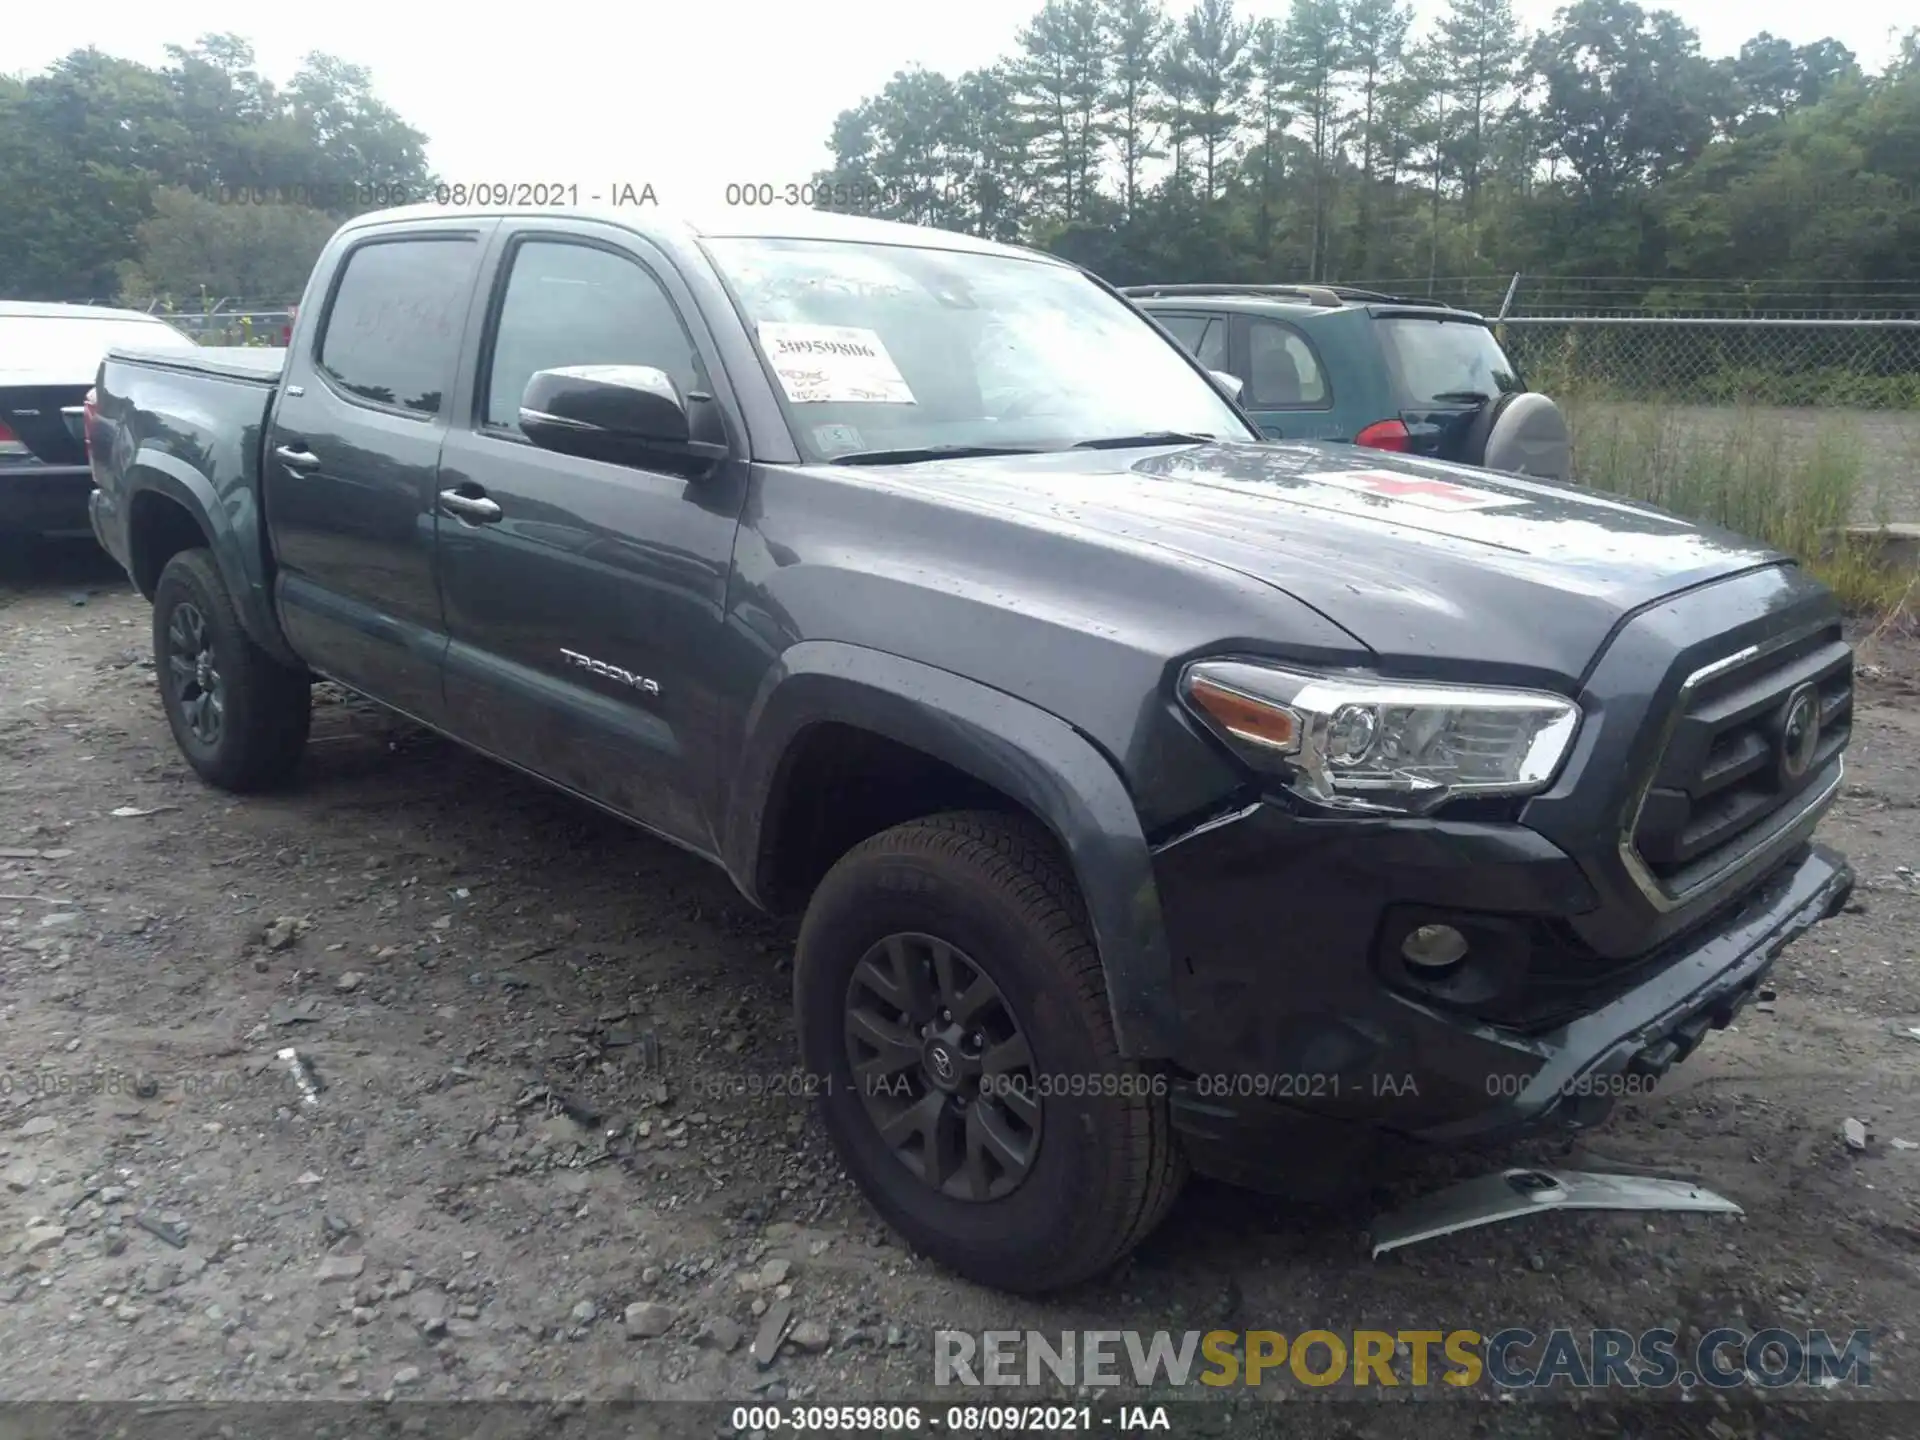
(1247, 719)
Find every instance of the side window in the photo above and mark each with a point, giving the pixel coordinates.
(393, 333)
(1187, 329)
(1212, 352)
(1202, 338)
(1283, 373)
(570, 304)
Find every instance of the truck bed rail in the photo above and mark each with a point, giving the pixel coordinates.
(256, 364)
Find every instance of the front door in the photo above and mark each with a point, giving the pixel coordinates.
(585, 599)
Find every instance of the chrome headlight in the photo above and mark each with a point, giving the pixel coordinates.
(1383, 746)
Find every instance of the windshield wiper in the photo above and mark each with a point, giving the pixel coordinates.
(1151, 437)
(917, 453)
(1463, 397)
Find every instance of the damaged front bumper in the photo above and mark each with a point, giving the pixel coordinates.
(1623, 1048)
(1302, 1043)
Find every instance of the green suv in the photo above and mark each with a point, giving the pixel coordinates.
(1328, 362)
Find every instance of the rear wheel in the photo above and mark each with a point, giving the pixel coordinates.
(954, 1018)
(238, 715)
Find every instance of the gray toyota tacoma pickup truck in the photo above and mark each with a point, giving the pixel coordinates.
(1155, 797)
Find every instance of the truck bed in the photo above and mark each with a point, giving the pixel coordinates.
(189, 425)
(255, 364)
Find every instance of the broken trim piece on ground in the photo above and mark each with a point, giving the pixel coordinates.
(1513, 1193)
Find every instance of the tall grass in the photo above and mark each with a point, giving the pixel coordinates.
(1795, 486)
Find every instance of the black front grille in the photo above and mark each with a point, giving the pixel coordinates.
(1726, 773)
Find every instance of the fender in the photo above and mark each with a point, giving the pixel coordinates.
(232, 527)
(1025, 752)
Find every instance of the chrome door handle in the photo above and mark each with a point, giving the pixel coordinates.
(296, 459)
(475, 508)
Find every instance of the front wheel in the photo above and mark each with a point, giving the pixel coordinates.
(953, 1014)
(238, 715)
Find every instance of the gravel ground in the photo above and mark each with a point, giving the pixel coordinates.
(552, 1157)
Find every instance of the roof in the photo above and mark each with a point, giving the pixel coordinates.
(784, 222)
(22, 309)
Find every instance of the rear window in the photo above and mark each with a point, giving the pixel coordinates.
(1445, 361)
(393, 333)
(75, 345)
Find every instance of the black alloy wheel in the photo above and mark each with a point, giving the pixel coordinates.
(194, 672)
(942, 1067)
(959, 1044)
(239, 716)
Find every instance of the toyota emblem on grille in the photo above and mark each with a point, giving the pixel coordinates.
(1799, 733)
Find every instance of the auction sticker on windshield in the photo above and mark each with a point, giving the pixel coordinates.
(832, 364)
(1421, 490)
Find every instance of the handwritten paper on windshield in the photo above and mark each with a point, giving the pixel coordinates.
(832, 364)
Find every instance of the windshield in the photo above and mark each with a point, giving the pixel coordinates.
(1446, 361)
(887, 347)
(76, 344)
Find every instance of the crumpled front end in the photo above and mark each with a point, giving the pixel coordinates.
(1594, 932)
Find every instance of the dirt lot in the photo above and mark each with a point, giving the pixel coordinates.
(475, 966)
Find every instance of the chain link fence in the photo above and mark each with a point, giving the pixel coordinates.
(234, 327)
(1774, 407)
(1839, 362)
(1847, 363)
(1693, 395)
(1791, 344)
(1851, 345)
(1547, 296)
(222, 320)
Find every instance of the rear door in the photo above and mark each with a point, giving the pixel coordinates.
(1444, 369)
(352, 458)
(1287, 390)
(586, 600)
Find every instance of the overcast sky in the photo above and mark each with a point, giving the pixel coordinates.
(689, 100)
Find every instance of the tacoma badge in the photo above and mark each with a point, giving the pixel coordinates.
(612, 672)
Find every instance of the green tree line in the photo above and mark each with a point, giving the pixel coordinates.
(1339, 141)
(126, 179)
(1335, 140)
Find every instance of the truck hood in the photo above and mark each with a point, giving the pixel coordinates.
(1429, 565)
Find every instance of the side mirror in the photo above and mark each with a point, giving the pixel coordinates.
(1232, 384)
(622, 413)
